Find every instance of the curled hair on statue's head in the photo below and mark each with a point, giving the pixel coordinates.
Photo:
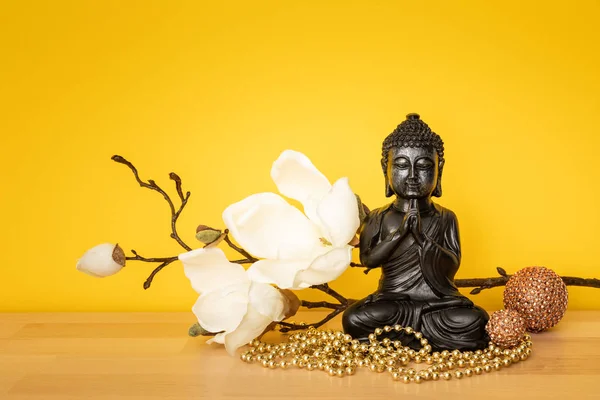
(413, 132)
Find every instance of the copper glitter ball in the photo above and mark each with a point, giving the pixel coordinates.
(506, 328)
(539, 295)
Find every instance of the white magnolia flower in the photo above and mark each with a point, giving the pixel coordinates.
(230, 304)
(102, 260)
(299, 250)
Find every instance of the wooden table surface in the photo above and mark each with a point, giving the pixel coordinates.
(149, 356)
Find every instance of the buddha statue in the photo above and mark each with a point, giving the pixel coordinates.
(416, 244)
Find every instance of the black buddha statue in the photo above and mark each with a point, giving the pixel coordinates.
(416, 244)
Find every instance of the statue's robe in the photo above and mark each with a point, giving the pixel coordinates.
(417, 288)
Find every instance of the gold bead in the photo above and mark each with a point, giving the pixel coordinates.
(284, 364)
(347, 338)
(405, 379)
(387, 328)
(411, 372)
(458, 375)
(331, 371)
(265, 363)
(350, 370)
(397, 328)
(310, 366)
(408, 330)
(340, 373)
(378, 331)
(497, 366)
(418, 335)
(487, 368)
(461, 363)
(429, 360)
(386, 341)
(445, 354)
(321, 365)
(478, 370)
(395, 376)
(472, 363)
(435, 376)
(372, 337)
(250, 358)
(373, 367)
(450, 365)
(403, 360)
(447, 376)
(397, 344)
(523, 357)
(418, 359)
(468, 372)
(418, 379)
(456, 353)
(506, 362)
(426, 375)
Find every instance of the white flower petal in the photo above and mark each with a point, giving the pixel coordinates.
(267, 300)
(253, 324)
(98, 261)
(280, 272)
(267, 226)
(296, 177)
(223, 309)
(218, 338)
(338, 213)
(325, 268)
(208, 269)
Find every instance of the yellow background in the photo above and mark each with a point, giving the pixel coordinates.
(216, 90)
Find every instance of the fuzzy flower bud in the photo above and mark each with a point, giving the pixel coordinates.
(102, 260)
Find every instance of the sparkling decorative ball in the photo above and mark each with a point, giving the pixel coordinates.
(506, 328)
(539, 295)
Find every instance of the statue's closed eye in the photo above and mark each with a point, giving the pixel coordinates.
(424, 163)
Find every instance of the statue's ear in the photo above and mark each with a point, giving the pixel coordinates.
(388, 189)
(437, 192)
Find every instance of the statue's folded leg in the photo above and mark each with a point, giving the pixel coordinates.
(363, 317)
(461, 328)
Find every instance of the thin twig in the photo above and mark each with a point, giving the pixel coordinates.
(239, 249)
(244, 261)
(151, 184)
(320, 304)
(163, 260)
(287, 327)
(156, 271)
(326, 289)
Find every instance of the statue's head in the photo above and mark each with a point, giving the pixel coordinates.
(413, 160)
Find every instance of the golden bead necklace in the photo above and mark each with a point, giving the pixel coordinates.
(339, 355)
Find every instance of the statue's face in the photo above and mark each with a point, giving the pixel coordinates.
(412, 172)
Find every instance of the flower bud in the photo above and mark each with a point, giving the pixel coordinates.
(102, 260)
(206, 234)
(197, 330)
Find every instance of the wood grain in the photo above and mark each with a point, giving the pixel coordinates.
(149, 356)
